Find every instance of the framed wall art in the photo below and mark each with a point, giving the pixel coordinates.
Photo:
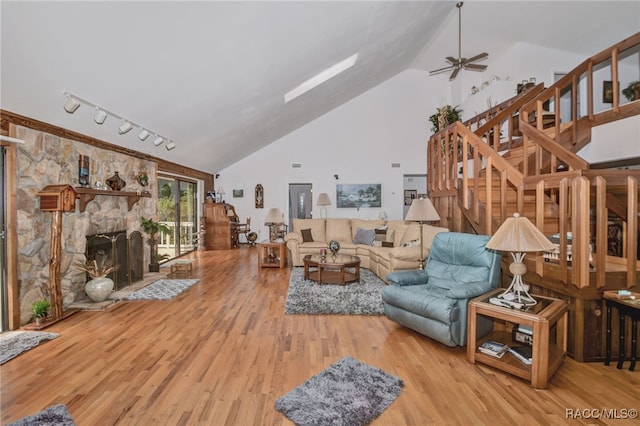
(409, 196)
(364, 195)
(238, 193)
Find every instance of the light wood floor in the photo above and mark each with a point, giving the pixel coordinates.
(222, 352)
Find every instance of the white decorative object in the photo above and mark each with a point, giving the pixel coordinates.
(98, 289)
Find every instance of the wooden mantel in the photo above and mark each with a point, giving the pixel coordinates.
(87, 194)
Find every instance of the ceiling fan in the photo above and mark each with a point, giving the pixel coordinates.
(460, 63)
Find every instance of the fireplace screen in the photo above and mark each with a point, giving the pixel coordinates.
(126, 255)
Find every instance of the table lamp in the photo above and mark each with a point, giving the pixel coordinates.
(421, 211)
(518, 235)
(273, 219)
(323, 201)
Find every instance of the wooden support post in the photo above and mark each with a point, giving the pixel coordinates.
(54, 265)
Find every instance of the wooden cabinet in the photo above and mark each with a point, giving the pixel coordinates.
(218, 235)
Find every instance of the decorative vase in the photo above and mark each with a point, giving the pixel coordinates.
(115, 182)
(98, 289)
(83, 171)
(334, 246)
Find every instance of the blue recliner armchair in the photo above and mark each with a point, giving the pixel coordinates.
(434, 302)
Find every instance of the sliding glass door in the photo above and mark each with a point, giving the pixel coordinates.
(177, 209)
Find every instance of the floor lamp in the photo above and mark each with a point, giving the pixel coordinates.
(421, 211)
(518, 235)
(323, 202)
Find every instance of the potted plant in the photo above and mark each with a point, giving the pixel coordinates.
(444, 116)
(40, 310)
(632, 91)
(152, 228)
(99, 286)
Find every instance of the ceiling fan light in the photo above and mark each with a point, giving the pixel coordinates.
(125, 127)
(71, 104)
(170, 145)
(101, 116)
(158, 140)
(144, 134)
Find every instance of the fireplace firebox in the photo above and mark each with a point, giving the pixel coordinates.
(124, 253)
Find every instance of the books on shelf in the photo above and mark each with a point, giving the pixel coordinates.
(523, 353)
(493, 348)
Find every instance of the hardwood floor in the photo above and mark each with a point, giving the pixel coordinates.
(222, 352)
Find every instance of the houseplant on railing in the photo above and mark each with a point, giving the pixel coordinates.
(444, 116)
(152, 228)
(632, 91)
(99, 286)
(40, 310)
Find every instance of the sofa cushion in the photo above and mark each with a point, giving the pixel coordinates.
(316, 226)
(306, 235)
(364, 236)
(364, 224)
(338, 229)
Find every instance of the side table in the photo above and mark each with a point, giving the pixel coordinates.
(272, 254)
(626, 307)
(547, 355)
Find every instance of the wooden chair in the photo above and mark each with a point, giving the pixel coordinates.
(244, 228)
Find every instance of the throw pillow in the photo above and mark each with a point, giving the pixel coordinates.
(306, 236)
(364, 236)
(384, 237)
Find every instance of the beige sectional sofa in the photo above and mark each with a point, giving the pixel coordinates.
(399, 251)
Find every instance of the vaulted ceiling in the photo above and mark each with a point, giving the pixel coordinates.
(211, 76)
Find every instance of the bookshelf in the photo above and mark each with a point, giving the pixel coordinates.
(548, 319)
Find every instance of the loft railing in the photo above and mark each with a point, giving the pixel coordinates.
(471, 184)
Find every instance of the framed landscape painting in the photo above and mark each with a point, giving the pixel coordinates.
(355, 196)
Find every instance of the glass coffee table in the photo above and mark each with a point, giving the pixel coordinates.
(338, 269)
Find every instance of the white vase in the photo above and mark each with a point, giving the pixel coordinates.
(98, 289)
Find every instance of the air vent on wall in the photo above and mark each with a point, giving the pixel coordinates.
(396, 165)
(296, 165)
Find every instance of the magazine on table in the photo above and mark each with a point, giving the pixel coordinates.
(493, 348)
(523, 353)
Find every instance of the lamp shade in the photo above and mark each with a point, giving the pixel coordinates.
(422, 210)
(273, 216)
(518, 234)
(323, 199)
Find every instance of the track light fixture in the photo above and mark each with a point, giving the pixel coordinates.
(125, 127)
(100, 117)
(73, 102)
(71, 105)
(144, 133)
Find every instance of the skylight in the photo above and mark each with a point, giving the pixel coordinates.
(321, 78)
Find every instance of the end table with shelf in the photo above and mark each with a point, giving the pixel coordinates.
(272, 254)
(549, 316)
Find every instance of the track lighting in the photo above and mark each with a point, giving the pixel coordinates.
(71, 105)
(73, 102)
(100, 116)
(143, 134)
(126, 126)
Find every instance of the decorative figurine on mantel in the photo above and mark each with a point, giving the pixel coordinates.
(115, 182)
(143, 180)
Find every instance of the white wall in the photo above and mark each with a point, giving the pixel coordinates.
(358, 141)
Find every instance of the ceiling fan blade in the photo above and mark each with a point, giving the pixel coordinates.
(439, 70)
(454, 74)
(475, 67)
(483, 55)
(451, 59)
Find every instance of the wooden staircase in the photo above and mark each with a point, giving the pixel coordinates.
(521, 156)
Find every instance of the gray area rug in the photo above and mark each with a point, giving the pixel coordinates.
(307, 297)
(161, 290)
(348, 392)
(56, 415)
(13, 343)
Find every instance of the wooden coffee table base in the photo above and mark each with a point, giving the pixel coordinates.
(332, 273)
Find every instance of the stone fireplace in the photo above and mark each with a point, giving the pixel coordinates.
(124, 253)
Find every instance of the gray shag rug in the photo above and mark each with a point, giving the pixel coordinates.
(13, 343)
(56, 415)
(307, 297)
(348, 392)
(161, 290)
